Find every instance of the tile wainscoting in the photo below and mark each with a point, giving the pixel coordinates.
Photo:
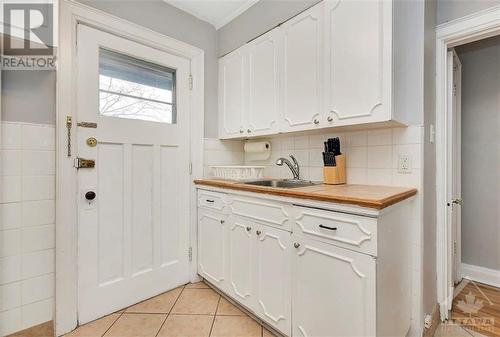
(27, 230)
(371, 158)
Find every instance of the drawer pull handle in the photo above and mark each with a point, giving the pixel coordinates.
(211, 201)
(329, 228)
(258, 232)
(296, 245)
(249, 229)
(222, 222)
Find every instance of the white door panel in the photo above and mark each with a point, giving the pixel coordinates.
(134, 237)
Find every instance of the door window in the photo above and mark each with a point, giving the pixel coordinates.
(135, 89)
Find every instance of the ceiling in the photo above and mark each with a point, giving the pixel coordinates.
(216, 12)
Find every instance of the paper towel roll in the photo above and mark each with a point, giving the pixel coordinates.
(257, 147)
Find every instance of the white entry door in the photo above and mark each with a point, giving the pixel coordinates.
(133, 228)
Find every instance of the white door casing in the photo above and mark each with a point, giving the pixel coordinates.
(455, 151)
(333, 281)
(302, 77)
(359, 93)
(133, 238)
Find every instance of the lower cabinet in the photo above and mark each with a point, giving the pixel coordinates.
(212, 229)
(258, 268)
(333, 290)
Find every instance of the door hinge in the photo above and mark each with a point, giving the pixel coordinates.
(455, 248)
(454, 89)
(190, 254)
(190, 82)
(190, 168)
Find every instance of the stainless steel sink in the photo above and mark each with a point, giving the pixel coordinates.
(281, 183)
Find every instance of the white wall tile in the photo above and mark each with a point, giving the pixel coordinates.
(357, 138)
(412, 150)
(37, 313)
(10, 296)
(38, 137)
(38, 188)
(301, 143)
(36, 162)
(38, 263)
(356, 176)
(37, 289)
(315, 158)
(11, 136)
(10, 269)
(10, 242)
(10, 216)
(38, 212)
(379, 157)
(11, 162)
(409, 135)
(379, 176)
(412, 179)
(10, 321)
(11, 189)
(356, 157)
(38, 238)
(379, 137)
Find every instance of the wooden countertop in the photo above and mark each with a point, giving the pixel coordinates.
(370, 196)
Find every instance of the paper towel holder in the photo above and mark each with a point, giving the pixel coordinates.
(257, 150)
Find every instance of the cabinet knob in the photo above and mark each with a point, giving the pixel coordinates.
(296, 245)
(258, 232)
(316, 121)
(222, 222)
(248, 130)
(330, 119)
(249, 229)
(241, 131)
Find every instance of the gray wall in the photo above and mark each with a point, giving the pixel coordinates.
(429, 182)
(481, 153)
(258, 19)
(448, 10)
(29, 96)
(168, 20)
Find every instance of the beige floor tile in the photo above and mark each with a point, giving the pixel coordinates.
(267, 333)
(136, 325)
(42, 330)
(96, 328)
(161, 304)
(197, 301)
(197, 285)
(235, 326)
(226, 308)
(451, 330)
(187, 326)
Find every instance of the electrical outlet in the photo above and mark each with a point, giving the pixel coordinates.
(404, 163)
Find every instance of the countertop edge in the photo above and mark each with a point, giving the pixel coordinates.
(381, 204)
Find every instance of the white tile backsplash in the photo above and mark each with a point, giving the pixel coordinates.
(27, 230)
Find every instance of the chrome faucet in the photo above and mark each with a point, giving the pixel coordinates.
(293, 167)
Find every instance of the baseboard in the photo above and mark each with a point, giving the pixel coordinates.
(481, 274)
(435, 322)
(42, 330)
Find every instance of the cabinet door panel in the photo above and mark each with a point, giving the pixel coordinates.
(302, 70)
(334, 291)
(263, 109)
(231, 96)
(358, 61)
(273, 282)
(211, 246)
(240, 259)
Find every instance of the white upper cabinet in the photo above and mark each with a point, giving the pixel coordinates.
(331, 65)
(263, 77)
(358, 64)
(302, 55)
(232, 92)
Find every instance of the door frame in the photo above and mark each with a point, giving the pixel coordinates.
(72, 13)
(474, 27)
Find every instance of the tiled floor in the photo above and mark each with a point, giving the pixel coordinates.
(193, 310)
(455, 330)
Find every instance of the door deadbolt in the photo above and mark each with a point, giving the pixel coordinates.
(92, 142)
(90, 195)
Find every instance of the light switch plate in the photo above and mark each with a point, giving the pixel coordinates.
(404, 163)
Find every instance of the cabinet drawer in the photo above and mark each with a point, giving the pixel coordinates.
(275, 214)
(211, 200)
(350, 231)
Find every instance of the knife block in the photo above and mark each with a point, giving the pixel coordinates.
(335, 175)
